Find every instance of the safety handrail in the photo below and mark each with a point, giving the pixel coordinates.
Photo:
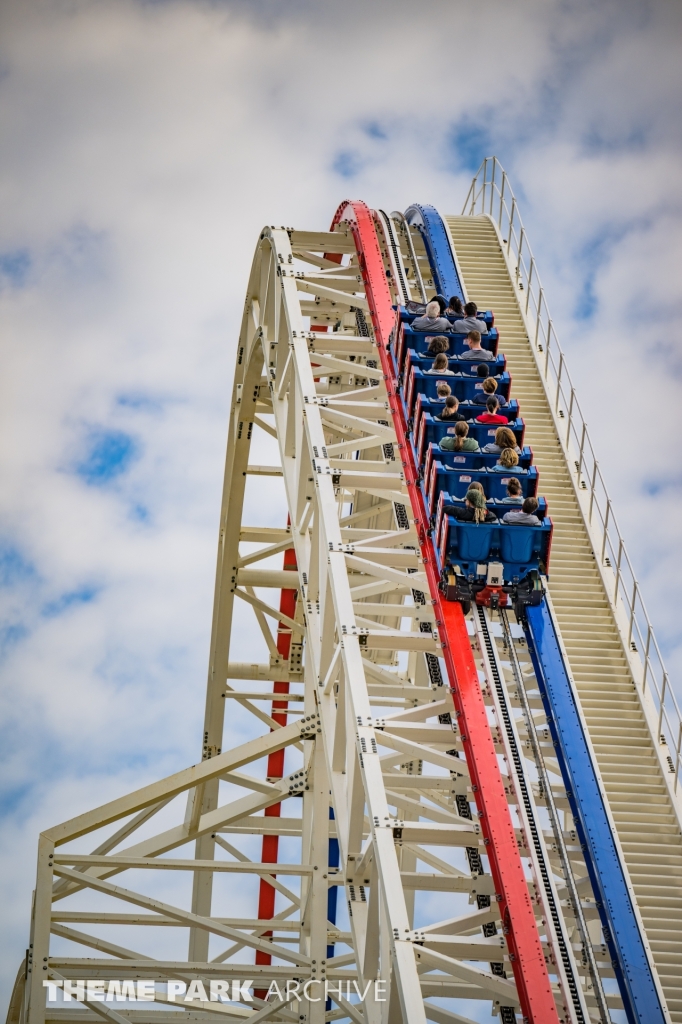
(491, 194)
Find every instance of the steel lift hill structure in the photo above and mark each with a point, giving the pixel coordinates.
(459, 757)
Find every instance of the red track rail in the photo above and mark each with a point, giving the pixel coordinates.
(518, 919)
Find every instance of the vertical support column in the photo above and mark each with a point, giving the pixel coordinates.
(39, 950)
(205, 798)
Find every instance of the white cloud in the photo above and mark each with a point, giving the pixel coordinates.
(145, 146)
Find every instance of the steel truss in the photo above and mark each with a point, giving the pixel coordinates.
(456, 850)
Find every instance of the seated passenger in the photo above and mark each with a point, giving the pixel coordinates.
(507, 462)
(450, 412)
(470, 322)
(459, 442)
(524, 516)
(432, 321)
(437, 344)
(492, 414)
(489, 388)
(514, 489)
(442, 303)
(504, 438)
(455, 306)
(443, 391)
(473, 341)
(440, 365)
(475, 509)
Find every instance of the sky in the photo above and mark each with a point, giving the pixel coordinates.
(145, 144)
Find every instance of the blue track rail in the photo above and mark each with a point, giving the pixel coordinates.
(621, 929)
(430, 223)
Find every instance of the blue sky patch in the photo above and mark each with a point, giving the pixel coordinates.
(14, 266)
(597, 141)
(140, 402)
(470, 142)
(14, 567)
(140, 513)
(374, 130)
(13, 799)
(110, 453)
(591, 258)
(83, 595)
(10, 635)
(348, 163)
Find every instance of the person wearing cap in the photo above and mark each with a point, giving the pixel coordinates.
(475, 509)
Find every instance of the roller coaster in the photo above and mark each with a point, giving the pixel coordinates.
(455, 795)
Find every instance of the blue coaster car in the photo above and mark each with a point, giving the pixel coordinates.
(466, 549)
(417, 343)
(463, 386)
(470, 460)
(455, 482)
(495, 505)
(469, 410)
(428, 430)
(415, 377)
(407, 316)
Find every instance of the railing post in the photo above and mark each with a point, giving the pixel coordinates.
(570, 416)
(618, 560)
(632, 612)
(485, 176)
(593, 484)
(582, 451)
(522, 238)
(504, 183)
(662, 699)
(511, 224)
(492, 185)
(677, 754)
(606, 525)
(471, 192)
(646, 654)
(541, 297)
(558, 380)
(530, 278)
(549, 339)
